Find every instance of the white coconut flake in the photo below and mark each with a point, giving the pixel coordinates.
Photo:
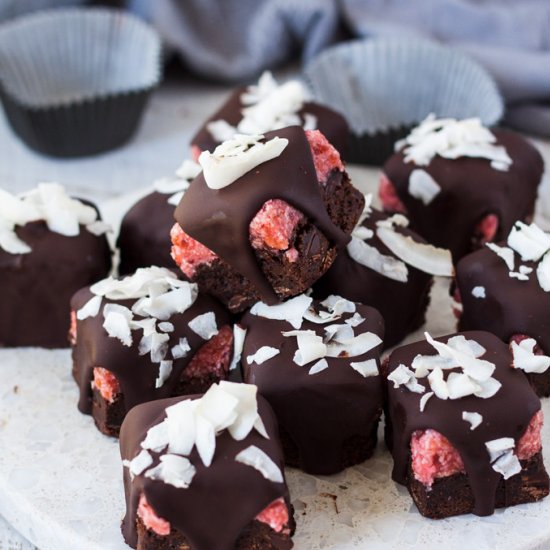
(310, 346)
(117, 325)
(165, 326)
(488, 387)
(239, 335)
(181, 349)
(235, 157)
(507, 465)
(139, 463)
(98, 228)
(425, 257)
(438, 384)
(366, 368)
(473, 418)
(479, 292)
(543, 273)
(89, 309)
(403, 376)
(292, 310)
(204, 325)
(358, 345)
(165, 369)
(451, 139)
(525, 358)
(503, 252)
(422, 186)
(221, 130)
(503, 460)
(320, 366)
(258, 459)
(355, 320)
(174, 470)
(163, 306)
(369, 256)
(265, 353)
(157, 438)
(529, 241)
(424, 400)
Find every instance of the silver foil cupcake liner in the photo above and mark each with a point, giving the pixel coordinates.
(75, 82)
(386, 87)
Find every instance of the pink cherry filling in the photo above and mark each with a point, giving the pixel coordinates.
(275, 515)
(388, 196)
(106, 383)
(433, 455)
(273, 225)
(72, 329)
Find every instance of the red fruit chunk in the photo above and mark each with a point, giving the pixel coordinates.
(72, 329)
(106, 383)
(189, 253)
(325, 157)
(276, 516)
(150, 519)
(389, 197)
(486, 229)
(213, 357)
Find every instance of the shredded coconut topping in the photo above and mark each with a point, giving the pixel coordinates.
(422, 186)
(258, 459)
(237, 156)
(268, 106)
(470, 375)
(158, 295)
(177, 185)
(503, 459)
(526, 359)
(48, 202)
(196, 423)
(451, 139)
(531, 243)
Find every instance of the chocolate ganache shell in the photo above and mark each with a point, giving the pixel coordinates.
(222, 498)
(35, 309)
(319, 412)
(510, 306)
(135, 373)
(470, 189)
(331, 123)
(506, 414)
(144, 237)
(220, 218)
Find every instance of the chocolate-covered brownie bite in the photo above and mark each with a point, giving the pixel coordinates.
(462, 184)
(463, 426)
(205, 472)
(505, 289)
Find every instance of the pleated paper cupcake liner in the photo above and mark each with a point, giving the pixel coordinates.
(75, 82)
(386, 87)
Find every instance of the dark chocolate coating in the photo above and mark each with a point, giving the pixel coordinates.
(220, 219)
(221, 500)
(506, 414)
(402, 305)
(471, 189)
(319, 412)
(510, 306)
(331, 123)
(135, 373)
(144, 237)
(38, 286)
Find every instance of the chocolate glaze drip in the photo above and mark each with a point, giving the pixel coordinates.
(135, 373)
(38, 286)
(331, 123)
(319, 412)
(402, 305)
(144, 237)
(510, 306)
(215, 508)
(471, 189)
(506, 414)
(220, 219)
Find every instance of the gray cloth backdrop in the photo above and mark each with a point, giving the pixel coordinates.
(234, 40)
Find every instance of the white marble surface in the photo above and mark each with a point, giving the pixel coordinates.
(174, 114)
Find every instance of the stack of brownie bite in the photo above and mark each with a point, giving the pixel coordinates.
(257, 291)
